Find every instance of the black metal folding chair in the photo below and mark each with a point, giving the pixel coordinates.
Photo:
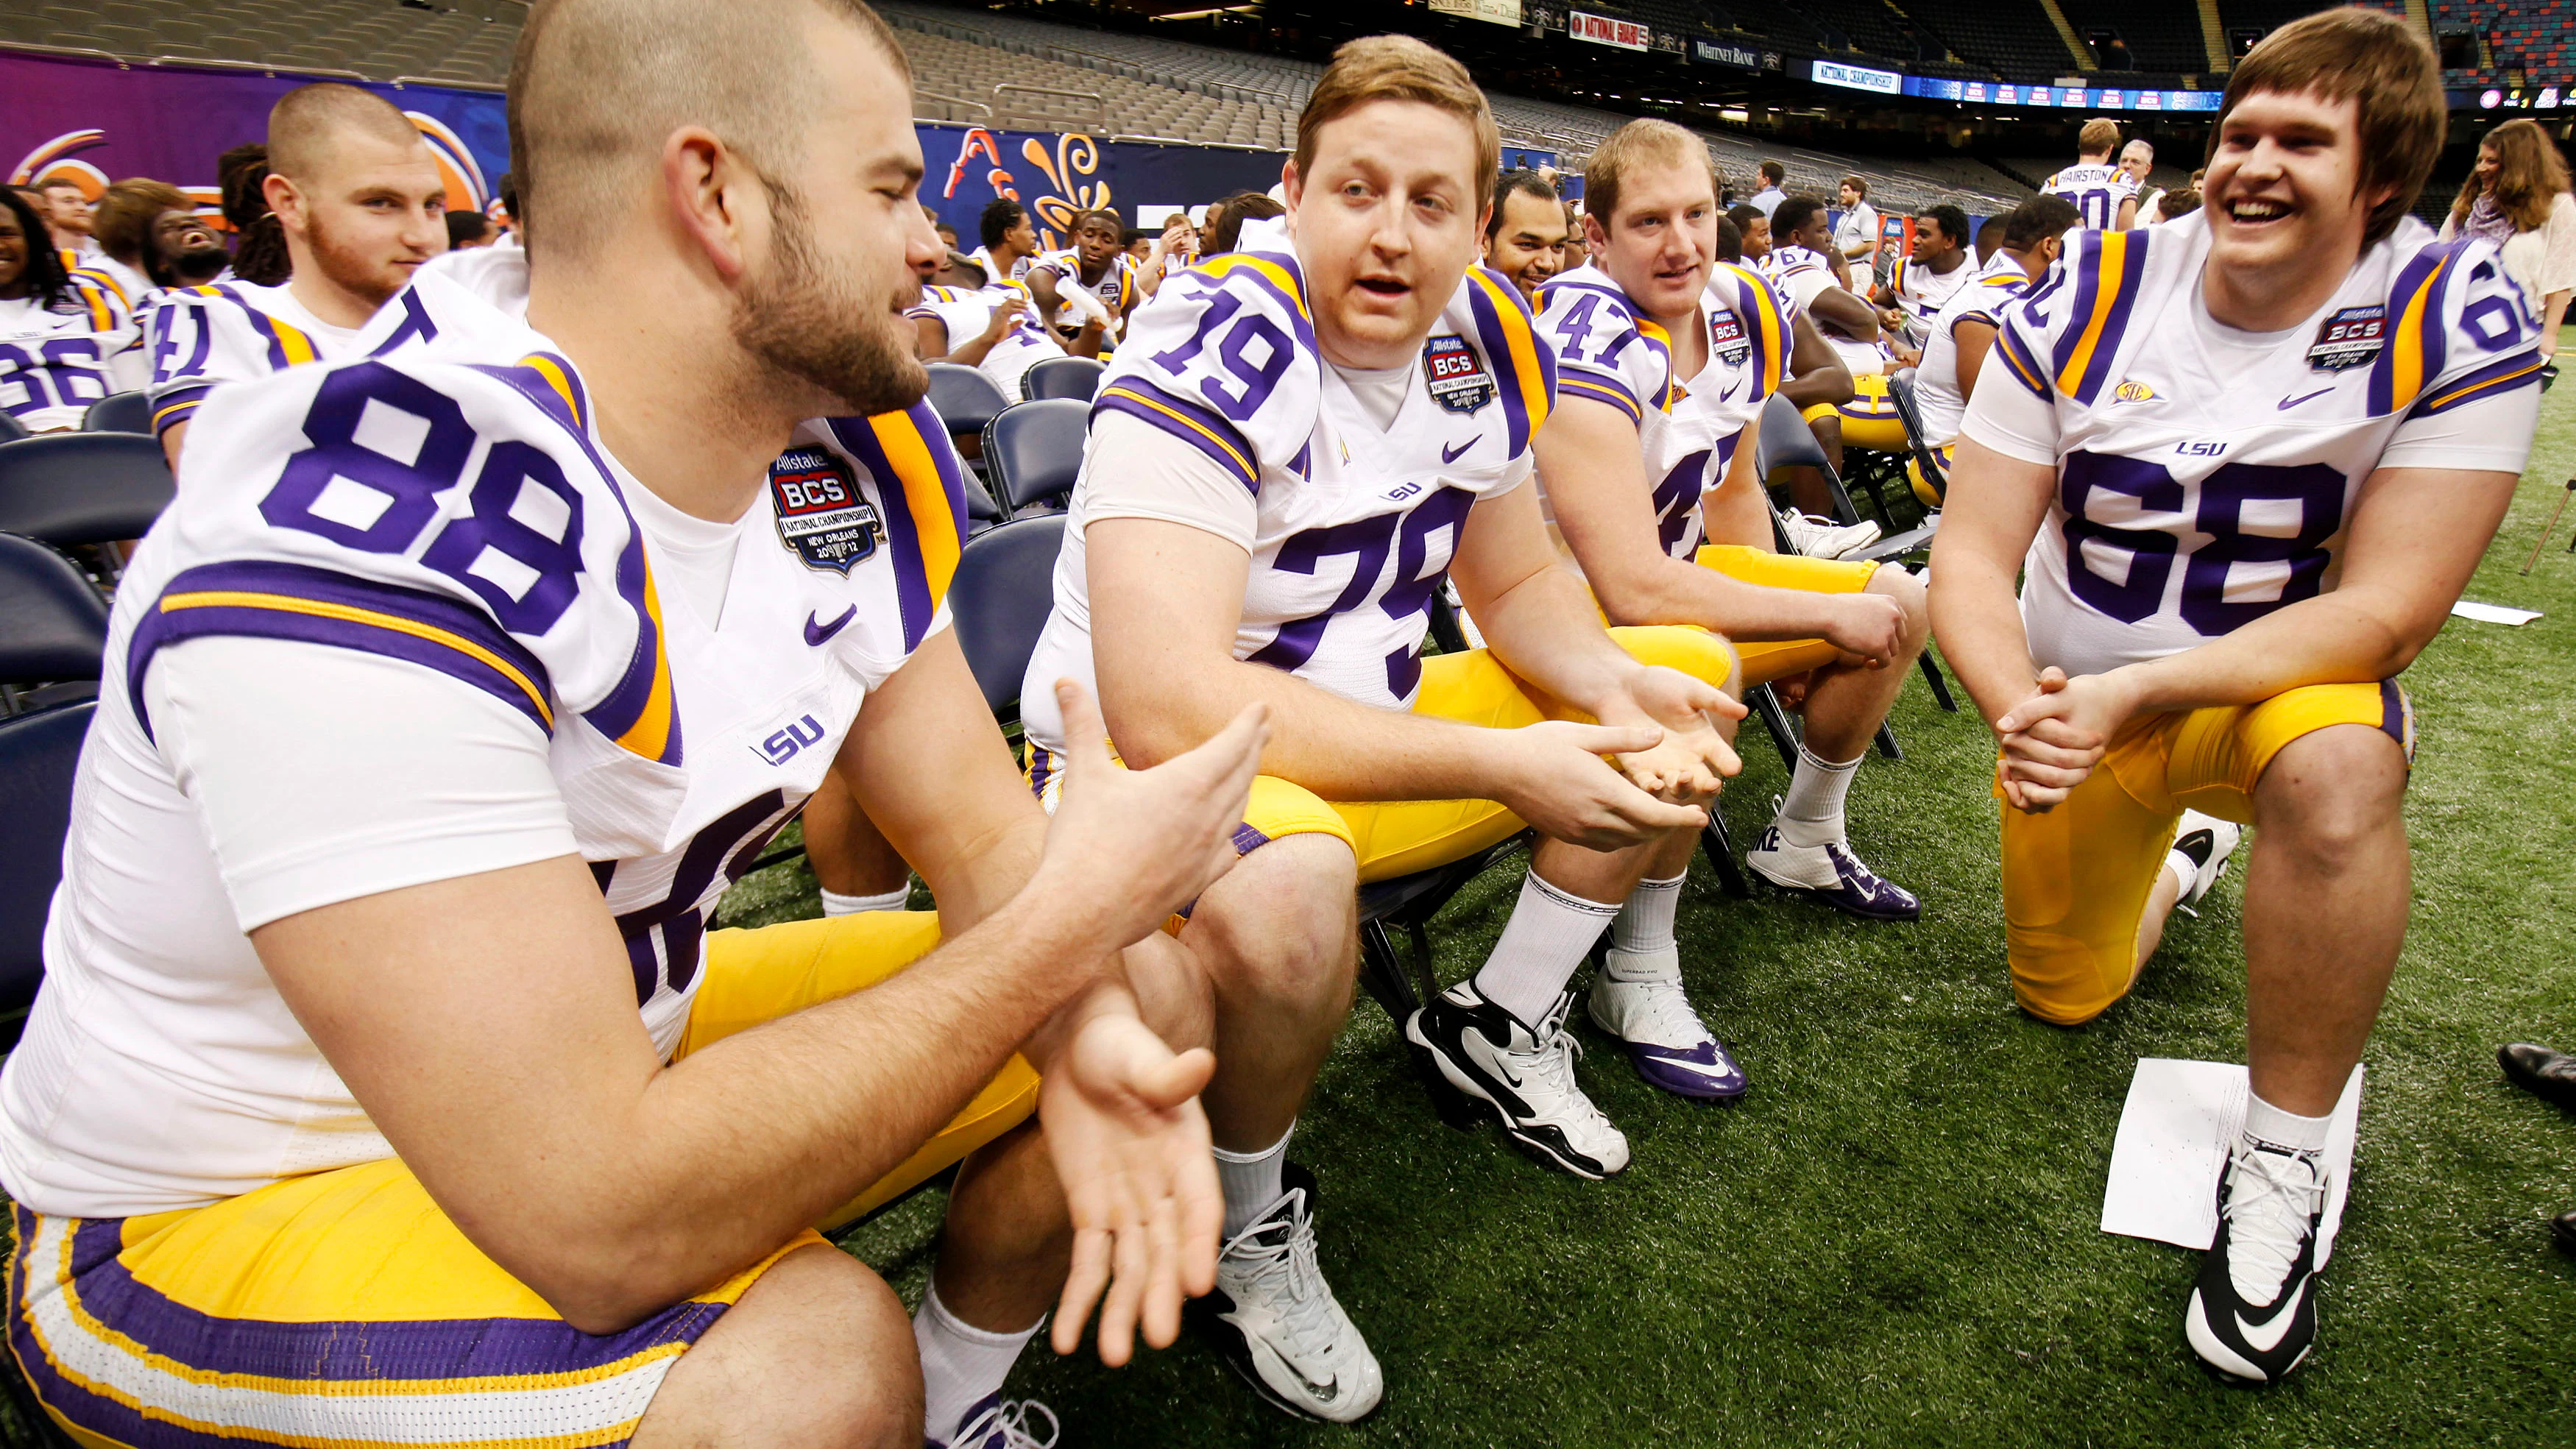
(56, 629)
(1076, 378)
(1909, 410)
(1035, 452)
(123, 412)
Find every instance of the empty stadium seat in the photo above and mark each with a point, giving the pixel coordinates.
(57, 623)
(1035, 450)
(1000, 597)
(964, 398)
(124, 412)
(38, 755)
(11, 430)
(74, 488)
(1062, 377)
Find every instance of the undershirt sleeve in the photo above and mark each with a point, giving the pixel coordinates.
(1136, 470)
(2005, 417)
(324, 775)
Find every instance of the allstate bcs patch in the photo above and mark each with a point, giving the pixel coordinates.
(1457, 375)
(2349, 338)
(1726, 339)
(821, 516)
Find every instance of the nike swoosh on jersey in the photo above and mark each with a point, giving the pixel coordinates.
(1449, 455)
(2268, 1337)
(819, 634)
(2287, 403)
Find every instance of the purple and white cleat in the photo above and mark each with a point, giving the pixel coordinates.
(1833, 875)
(1639, 1000)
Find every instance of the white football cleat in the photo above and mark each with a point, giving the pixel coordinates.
(1277, 1322)
(1484, 1054)
(2205, 842)
(1822, 537)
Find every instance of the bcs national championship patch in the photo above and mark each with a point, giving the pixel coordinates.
(1726, 338)
(820, 513)
(2349, 338)
(1457, 376)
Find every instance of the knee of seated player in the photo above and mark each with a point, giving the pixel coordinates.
(2326, 794)
(818, 1353)
(1281, 924)
(1907, 590)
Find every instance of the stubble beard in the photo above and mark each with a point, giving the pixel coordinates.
(807, 320)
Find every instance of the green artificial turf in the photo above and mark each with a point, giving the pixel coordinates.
(1893, 1239)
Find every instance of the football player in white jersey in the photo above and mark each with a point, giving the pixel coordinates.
(1665, 360)
(2250, 457)
(362, 208)
(1009, 241)
(66, 339)
(1954, 354)
(2103, 194)
(385, 1085)
(1086, 289)
(1526, 235)
(993, 328)
(1298, 441)
(1925, 278)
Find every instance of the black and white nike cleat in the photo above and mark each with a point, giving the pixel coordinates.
(2253, 1312)
(2204, 843)
(1484, 1054)
(1277, 1323)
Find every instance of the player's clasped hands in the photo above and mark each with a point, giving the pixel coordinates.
(2054, 739)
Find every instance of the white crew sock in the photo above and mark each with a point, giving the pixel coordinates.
(2268, 1124)
(1811, 814)
(1543, 944)
(1641, 938)
(1251, 1181)
(893, 900)
(961, 1365)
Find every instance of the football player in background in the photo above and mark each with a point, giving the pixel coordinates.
(993, 328)
(1919, 282)
(1010, 241)
(1753, 230)
(2104, 195)
(155, 240)
(66, 339)
(1954, 353)
(69, 217)
(1291, 452)
(1665, 359)
(480, 1134)
(1525, 235)
(362, 208)
(2260, 449)
(1085, 290)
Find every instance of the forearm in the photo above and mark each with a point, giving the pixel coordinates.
(1546, 629)
(2331, 639)
(1339, 749)
(1677, 591)
(1977, 618)
(972, 352)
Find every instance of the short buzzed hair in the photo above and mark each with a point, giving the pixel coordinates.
(1400, 68)
(595, 86)
(307, 122)
(2038, 219)
(1524, 181)
(1644, 141)
(1792, 215)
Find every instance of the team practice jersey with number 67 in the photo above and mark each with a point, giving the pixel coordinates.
(409, 621)
(2206, 475)
(1348, 488)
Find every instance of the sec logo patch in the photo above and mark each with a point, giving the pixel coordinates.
(1456, 374)
(821, 517)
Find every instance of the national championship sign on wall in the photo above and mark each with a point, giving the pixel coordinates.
(1602, 30)
(94, 122)
(1499, 12)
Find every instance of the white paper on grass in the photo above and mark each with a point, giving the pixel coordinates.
(2493, 613)
(2174, 1134)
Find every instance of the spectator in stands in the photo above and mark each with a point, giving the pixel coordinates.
(1524, 236)
(467, 230)
(68, 214)
(1753, 225)
(2137, 161)
(1010, 240)
(2517, 198)
(1768, 199)
(2103, 194)
(260, 256)
(1856, 235)
(1923, 280)
(1990, 235)
(66, 338)
(355, 199)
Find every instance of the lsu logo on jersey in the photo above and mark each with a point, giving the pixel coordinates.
(786, 744)
(1726, 339)
(821, 517)
(2349, 338)
(1457, 376)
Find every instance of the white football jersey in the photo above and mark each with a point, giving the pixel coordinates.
(1357, 519)
(1801, 275)
(2094, 191)
(1922, 292)
(447, 504)
(55, 361)
(203, 337)
(1608, 351)
(964, 311)
(2206, 475)
(1936, 378)
(1115, 289)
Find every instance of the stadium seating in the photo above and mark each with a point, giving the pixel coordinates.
(1062, 377)
(2163, 35)
(81, 488)
(11, 430)
(1034, 450)
(57, 631)
(124, 412)
(38, 754)
(1000, 597)
(966, 400)
(2012, 37)
(2532, 37)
